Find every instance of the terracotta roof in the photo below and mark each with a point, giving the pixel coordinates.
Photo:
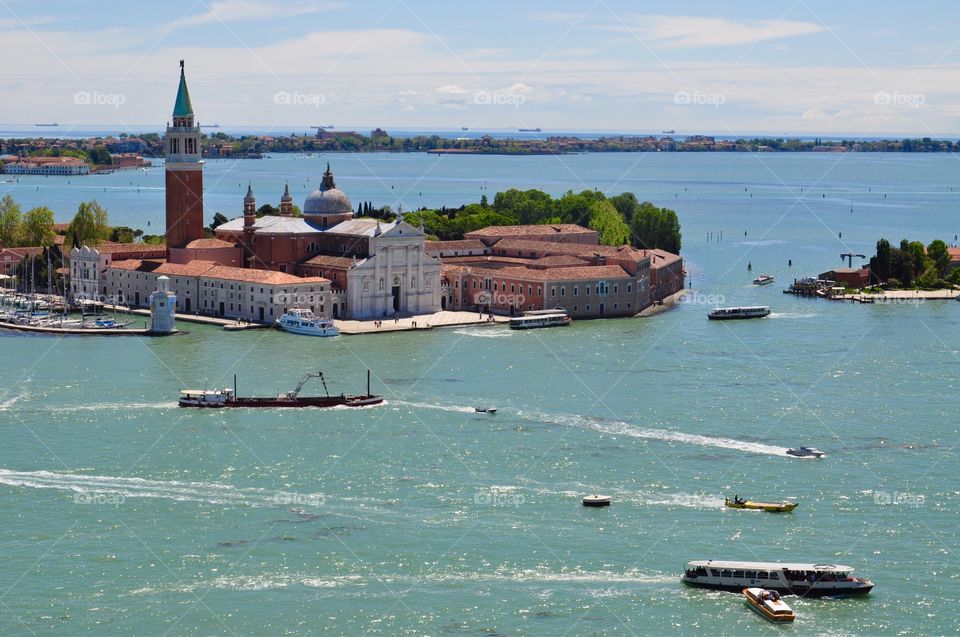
(126, 264)
(209, 243)
(194, 268)
(132, 248)
(954, 254)
(20, 253)
(660, 258)
(557, 260)
(463, 244)
(250, 275)
(531, 229)
(582, 273)
(325, 260)
(548, 248)
(486, 261)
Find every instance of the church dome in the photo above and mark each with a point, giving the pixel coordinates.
(327, 200)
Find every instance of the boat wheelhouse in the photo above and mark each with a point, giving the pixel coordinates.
(787, 578)
(303, 321)
(729, 313)
(540, 318)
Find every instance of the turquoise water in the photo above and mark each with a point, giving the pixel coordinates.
(125, 515)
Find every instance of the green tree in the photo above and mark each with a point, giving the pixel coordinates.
(654, 227)
(122, 234)
(880, 264)
(939, 254)
(918, 257)
(218, 220)
(38, 227)
(11, 221)
(607, 220)
(89, 226)
(626, 204)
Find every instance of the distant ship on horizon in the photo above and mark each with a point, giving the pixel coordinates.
(529, 130)
(669, 132)
(209, 125)
(51, 124)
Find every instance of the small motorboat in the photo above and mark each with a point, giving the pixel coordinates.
(485, 410)
(597, 500)
(763, 279)
(806, 452)
(770, 507)
(769, 605)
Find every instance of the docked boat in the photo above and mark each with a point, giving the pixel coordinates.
(540, 318)
(216, 398)
(730, 313)
(770, 507)
(485, 410)
(303, 321)
(786, 578)
(769, 605)
(763, 279)
(806, 452)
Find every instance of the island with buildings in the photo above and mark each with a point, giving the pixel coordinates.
(344, 266)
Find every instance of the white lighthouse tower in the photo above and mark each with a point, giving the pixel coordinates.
(163, 305)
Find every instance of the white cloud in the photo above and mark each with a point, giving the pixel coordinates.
(700, 31)
(452, 89)
(240, 10)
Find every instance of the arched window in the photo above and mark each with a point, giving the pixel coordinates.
(313, 247)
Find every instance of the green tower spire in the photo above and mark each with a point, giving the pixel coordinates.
(183, 107)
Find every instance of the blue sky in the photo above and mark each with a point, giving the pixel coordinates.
(805, 66)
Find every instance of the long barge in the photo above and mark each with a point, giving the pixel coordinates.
(227, 397)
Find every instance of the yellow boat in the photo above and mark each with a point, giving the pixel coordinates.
(770, 507)
(769, 605)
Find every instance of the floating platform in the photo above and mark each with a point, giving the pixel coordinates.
(82, 331)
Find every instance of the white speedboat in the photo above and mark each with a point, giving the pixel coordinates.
(485, 410)
(302, 321)
(806, 452)
(763, 279)
(731, 313)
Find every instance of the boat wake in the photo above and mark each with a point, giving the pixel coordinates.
(620, 428)
(269, 581)
(208, 492)
(793, 315)
(101, 407)
(451, 408)
(10, 402)
(484, 332)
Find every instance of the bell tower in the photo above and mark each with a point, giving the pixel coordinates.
(184, 172)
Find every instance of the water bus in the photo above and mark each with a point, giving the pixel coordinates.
(731, 313)
(540, 318)
(786, 578)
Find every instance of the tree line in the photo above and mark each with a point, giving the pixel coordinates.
(912, 264)
(620, 220)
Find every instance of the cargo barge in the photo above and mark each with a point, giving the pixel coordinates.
(216, 398)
